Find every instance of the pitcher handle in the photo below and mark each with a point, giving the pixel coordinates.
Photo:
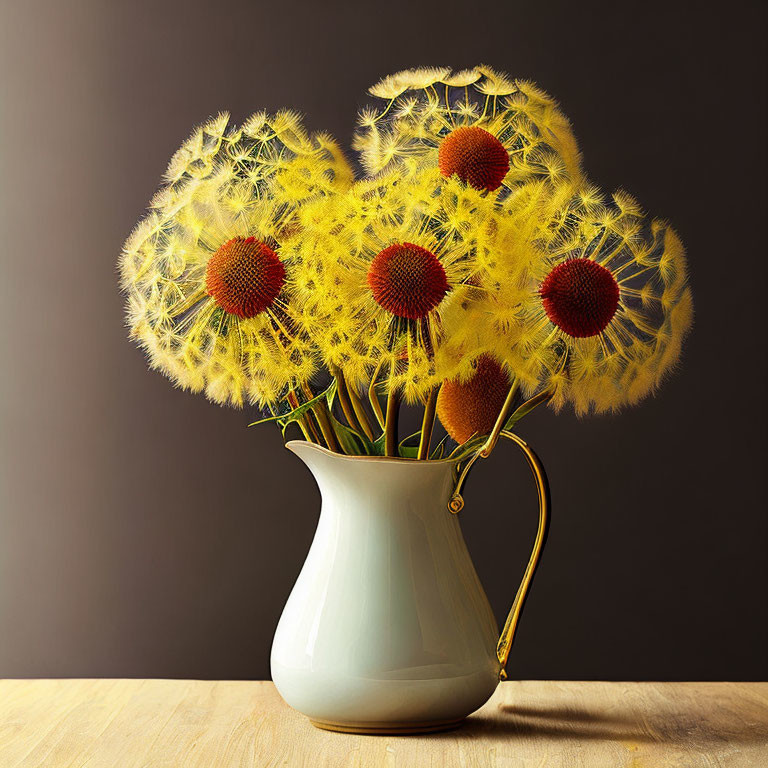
(542, 487)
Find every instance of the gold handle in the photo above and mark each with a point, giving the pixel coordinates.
(542, 486)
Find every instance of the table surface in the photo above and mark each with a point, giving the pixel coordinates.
(206, 724)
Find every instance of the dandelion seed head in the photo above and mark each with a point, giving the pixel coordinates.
(521, 117)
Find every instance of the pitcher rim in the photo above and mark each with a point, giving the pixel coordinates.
(375, 459)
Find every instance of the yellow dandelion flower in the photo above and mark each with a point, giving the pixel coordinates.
(209, 292)
(377, 268)
(484, 314)
(486, 128)
(592, 302)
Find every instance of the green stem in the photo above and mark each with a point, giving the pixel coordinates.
(360, 412)
(390, 422)
(323, 416)
(373, 398)
(428, 423)
(311, 423)
(343, 393)
(302, 421)
(320, 410)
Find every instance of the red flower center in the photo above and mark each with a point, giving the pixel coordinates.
(477, 157)
(244, 276)
(407, 280)
(580, 297)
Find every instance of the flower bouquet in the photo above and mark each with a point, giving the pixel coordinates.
(473, 274)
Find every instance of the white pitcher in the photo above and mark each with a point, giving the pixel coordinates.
(388, 628)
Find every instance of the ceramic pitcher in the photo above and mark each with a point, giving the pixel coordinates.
(388, 628)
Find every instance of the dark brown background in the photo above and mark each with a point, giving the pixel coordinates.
(146, 532)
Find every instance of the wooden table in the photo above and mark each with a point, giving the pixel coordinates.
(190, 724)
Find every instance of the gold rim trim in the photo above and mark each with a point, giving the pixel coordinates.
(384, 729)
(377, 459)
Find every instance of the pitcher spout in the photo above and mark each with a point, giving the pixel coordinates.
(376, 475)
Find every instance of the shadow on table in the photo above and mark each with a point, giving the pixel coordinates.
(575, 724)
(553, 723)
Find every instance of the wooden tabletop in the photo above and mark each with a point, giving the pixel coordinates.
(191, 724)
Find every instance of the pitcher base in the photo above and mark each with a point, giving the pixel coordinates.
(383, 729)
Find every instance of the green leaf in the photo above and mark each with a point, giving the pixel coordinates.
(416, 435)
(527, 407)
(268, 419)
(409, 451)
(331, 392)
(378, 446)
(287, 418)
(352, 443)
(285, 427)
(465, 449)
(439, 448)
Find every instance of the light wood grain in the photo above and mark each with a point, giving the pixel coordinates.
(198, 724)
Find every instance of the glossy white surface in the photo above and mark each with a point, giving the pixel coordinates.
(387, 622)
